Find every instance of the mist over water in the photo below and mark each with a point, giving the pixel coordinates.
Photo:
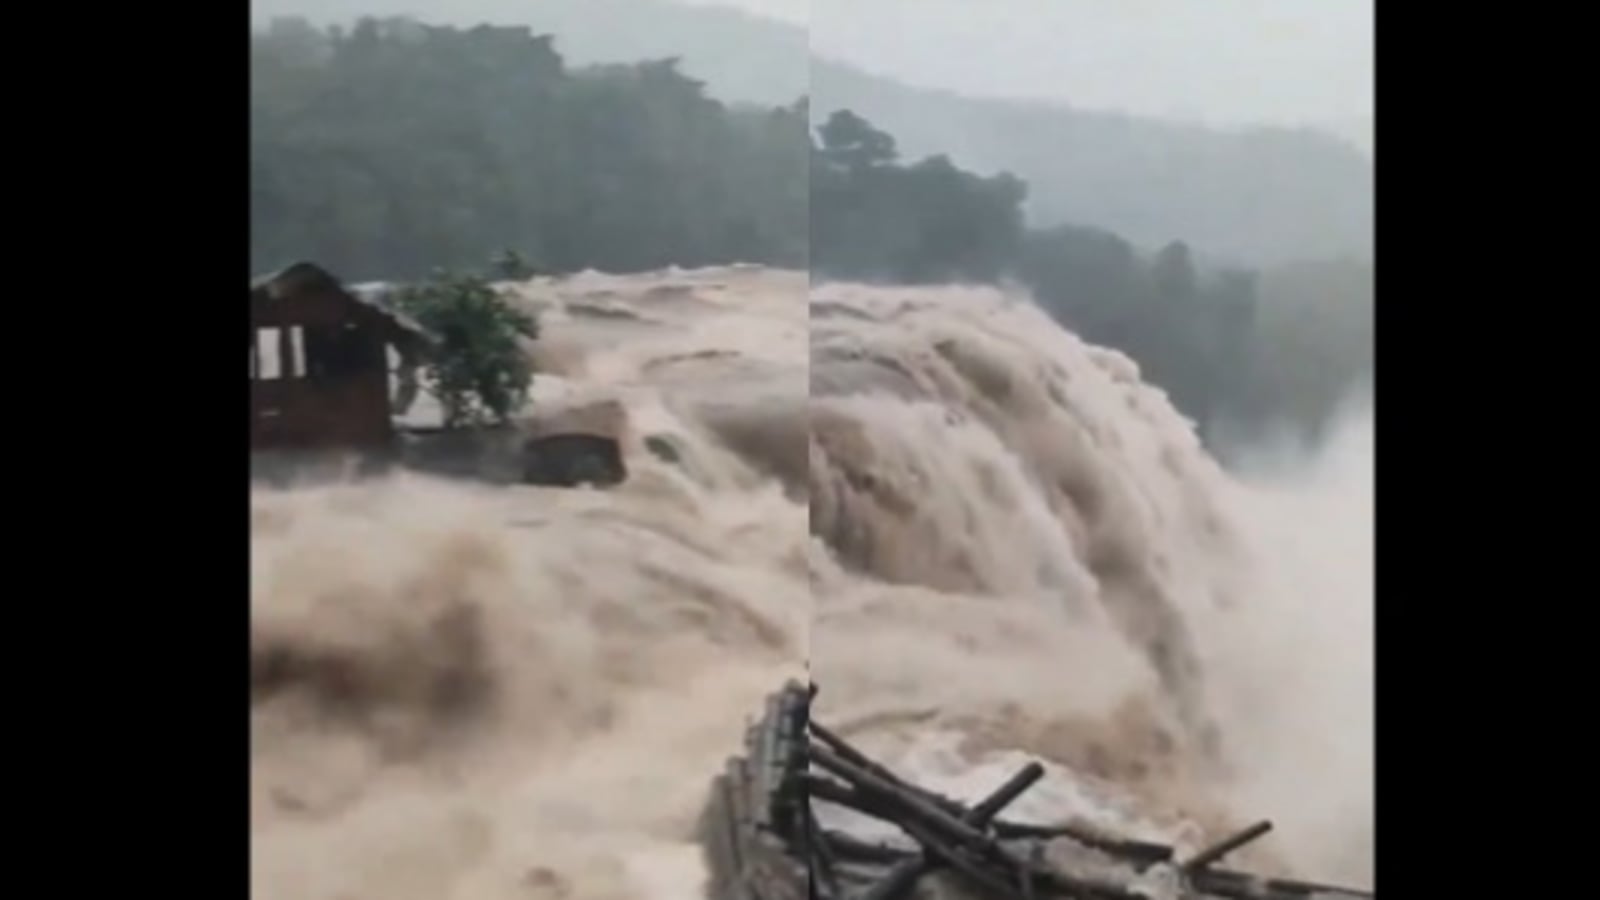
(997, 541)
(1036, 555)
(478, 692)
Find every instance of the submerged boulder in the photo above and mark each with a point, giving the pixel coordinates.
(573, 459)
(664, 447)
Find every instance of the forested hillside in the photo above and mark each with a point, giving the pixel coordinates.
(1256, 196)
(393, 148)
(1259, 196)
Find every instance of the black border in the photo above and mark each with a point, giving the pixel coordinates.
(1469, 713)
(129, 164)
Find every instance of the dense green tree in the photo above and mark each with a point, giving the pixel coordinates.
(478, 371)
(927, 222)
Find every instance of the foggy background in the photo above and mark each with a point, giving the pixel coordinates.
(1221, 62)
(1131, 130)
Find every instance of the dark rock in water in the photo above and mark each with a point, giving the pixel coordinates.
(606, 417)
(570, 460)
(590, 311)
(664, 448)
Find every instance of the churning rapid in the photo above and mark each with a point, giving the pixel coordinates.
(995, 540)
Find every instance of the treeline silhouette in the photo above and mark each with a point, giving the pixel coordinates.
(393, 148)
(1237, 352)
(396, 147)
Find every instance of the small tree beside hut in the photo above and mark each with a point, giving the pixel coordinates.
(479, 372)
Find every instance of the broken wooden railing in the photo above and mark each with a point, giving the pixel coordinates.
(992, 857)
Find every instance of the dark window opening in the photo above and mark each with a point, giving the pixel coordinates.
(342, 352)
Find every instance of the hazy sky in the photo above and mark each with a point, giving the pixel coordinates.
(1221, 61)
(796, 11)
(1227, 61)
